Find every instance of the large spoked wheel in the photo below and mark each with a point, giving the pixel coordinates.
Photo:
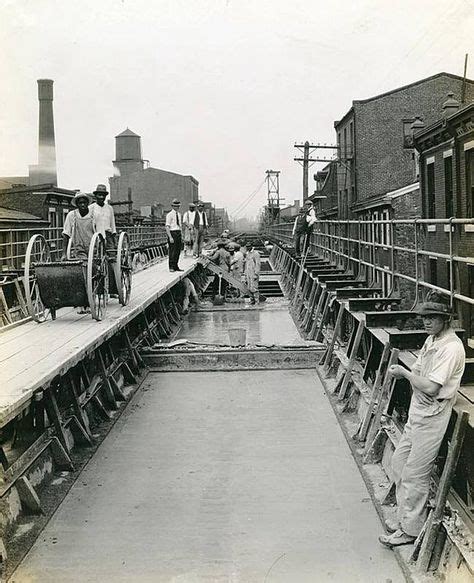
(36, 252)
(97, 277)
(123, 269)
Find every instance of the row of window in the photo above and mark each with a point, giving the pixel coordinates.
(450, 209)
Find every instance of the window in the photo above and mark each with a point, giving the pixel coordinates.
(407, 133)
(469, 158)
(351, 139)
(433, 270)
(339, 153)
(448, 186)
(430, 190)
(345, 142)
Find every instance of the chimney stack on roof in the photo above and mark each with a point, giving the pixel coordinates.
(451, 105)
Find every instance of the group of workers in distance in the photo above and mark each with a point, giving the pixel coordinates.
(190, 229)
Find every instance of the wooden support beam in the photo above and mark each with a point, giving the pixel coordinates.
(434, 521)
(28, 496)
(55, 418)
(346, 379)
(326, 359)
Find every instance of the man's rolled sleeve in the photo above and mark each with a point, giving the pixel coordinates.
(68, 224)
(447, 361)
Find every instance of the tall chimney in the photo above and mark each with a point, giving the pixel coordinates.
(45, 172)
(450, 106)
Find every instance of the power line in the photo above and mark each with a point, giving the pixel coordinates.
(244, 204)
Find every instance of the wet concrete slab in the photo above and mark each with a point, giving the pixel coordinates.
(268, 324)
(223, 477)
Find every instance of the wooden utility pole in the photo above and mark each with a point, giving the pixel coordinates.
(307, 161)
(463, 90)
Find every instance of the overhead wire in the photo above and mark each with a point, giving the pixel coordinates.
(242, 206)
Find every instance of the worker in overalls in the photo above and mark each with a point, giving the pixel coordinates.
(435, 379)
(252, 273)
(301, 231)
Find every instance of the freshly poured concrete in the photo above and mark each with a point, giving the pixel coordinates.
(269, 324)
(219, 477)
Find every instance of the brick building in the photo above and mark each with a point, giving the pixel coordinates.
(288, 213)
(375, 141)
(446, 150)
(326, 191)
(147, 187)
(45, 201)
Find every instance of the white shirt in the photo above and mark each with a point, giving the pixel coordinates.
(441, 361)
(188, 218)
(174, 220)
(104, 218)
(201, 218)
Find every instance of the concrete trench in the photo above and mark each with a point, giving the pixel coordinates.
(228, 464)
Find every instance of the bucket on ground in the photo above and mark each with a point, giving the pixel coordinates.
(237, 336)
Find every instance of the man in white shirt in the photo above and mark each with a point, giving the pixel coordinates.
(189, 230)
(435, 379)
(104, 216)
(173, 227)
(200, 225)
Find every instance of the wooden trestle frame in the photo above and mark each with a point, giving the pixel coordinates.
(339, 308)
(62, 414)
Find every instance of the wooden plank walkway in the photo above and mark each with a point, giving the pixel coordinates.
(32, 354)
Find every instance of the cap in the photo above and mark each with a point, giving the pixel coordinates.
(175, 202)
(434, 305)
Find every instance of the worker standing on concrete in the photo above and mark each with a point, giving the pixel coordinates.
(173, 231)
(189, 229)
(435, 379)
(221, 257)
(104, 217)
(201, 225)
(252, 273)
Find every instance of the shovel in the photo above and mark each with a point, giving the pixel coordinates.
(219, 299)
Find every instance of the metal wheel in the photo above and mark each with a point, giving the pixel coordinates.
(123, 269)
(97, 277)
(36, 252)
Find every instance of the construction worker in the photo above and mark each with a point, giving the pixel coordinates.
(435, 379)
(252, 273)
(189, 229)
(221, 257)
(300, 231)
(200, 224)
(173, 227)
(104, 216)
(79, 226)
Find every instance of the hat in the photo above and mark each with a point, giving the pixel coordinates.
(199, 203)
(101, 188)
(308, 201)
(79, 195)
(221, 242)
(175, 202)
(193, 204)
(435, 305)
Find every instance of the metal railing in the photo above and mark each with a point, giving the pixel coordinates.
(395, 249)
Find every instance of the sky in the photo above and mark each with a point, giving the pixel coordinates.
(220, 89)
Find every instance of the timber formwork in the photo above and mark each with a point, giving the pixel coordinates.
(364, 333)
(64, 413)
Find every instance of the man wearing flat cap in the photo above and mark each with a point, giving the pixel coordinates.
(79, 226)
(435, 379)
(173, 228)
(104, 216)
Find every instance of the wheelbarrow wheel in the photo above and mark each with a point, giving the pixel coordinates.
(123, 269)
(97, 277)
(37, 251)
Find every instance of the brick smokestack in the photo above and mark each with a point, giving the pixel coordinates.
(45, 172)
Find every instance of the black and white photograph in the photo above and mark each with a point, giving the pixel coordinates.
(236, 291)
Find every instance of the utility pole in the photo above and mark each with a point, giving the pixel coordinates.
(307, 161)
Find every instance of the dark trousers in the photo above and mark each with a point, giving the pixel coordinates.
(174, 249)
(301, 243)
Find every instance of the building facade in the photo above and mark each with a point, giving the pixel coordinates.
(146, 187)
(446, 150)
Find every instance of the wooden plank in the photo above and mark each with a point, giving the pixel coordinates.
(53, 347)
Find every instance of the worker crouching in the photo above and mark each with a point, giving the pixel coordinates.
(435, 379)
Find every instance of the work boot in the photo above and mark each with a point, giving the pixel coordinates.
(397, 539)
